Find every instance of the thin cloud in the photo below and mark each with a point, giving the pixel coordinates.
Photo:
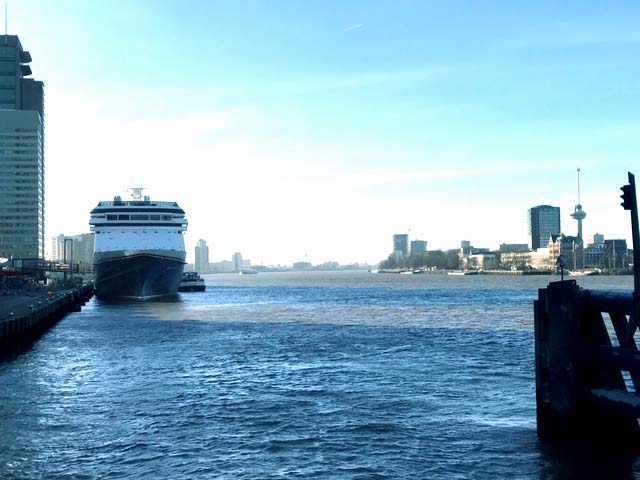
(353, 27)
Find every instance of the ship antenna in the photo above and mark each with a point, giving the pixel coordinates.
(136, 193)
(6, 20)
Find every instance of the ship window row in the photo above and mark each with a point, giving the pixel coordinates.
(135, 231)
(139, 217)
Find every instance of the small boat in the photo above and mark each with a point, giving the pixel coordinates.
(247, 272)
(583, 273)
(192, 282)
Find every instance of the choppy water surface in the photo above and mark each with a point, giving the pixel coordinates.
(315, 375)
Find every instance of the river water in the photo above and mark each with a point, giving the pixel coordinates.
(345, 375)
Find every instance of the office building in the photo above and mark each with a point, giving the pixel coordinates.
(238, 264)
(418, 247)
(595, 239)
(201, 257)
(401, 244)
(615, 255)
(76, 249)
(570, 248)
(544, 221)
(21, 154)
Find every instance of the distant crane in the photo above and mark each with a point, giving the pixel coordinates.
(578, 213)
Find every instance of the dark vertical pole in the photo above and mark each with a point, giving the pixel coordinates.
(629, 202)
(557, 333)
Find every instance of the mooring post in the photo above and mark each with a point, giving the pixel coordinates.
(557, 332)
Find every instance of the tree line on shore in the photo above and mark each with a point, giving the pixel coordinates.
(438, 259)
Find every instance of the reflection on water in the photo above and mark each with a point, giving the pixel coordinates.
(341, 375)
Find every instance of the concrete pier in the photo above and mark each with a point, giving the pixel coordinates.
(25, 315)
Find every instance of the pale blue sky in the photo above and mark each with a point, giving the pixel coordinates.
(318, 129)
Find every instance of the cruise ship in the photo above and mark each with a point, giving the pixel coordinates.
(139, 248)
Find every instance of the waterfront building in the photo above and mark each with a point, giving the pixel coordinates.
(515, 260)
(21, 154)
(616, 254)
(544, 221)
(401, 244)
(540, 259)
(302, 266)
(201, 263)
(571, 249)
(418, 247)
(595, 239)
(481, 260)
(76, 249)
(513, 247)
(236, 259)
(594, 255)
(225, 266)
(328, 266)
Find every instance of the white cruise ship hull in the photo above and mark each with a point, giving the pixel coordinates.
(137, 275)
(139, 248)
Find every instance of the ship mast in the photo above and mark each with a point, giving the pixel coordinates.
(136, 193)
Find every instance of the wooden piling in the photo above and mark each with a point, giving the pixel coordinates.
(580, 389)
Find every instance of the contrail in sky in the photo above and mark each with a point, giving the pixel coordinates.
(353, 27)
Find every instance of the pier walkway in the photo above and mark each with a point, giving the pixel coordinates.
(27, 313)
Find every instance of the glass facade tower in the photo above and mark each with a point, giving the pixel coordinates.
(21, 154)
(544, 221)
(401, 244)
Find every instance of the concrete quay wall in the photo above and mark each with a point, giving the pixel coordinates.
(24, 318)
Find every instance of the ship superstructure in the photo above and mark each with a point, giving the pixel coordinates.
(139, 247)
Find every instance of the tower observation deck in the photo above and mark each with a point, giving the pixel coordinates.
(578, 213)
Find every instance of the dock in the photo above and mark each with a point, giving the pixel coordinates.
(587, 360)
(587, 370)
(26, 314)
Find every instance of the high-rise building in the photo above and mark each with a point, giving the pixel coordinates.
(401, 244)
(236, 259)
(202, 257)
(21, 154)
(544, 221)
(418, 247)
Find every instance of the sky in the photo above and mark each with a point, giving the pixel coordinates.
(315, 130)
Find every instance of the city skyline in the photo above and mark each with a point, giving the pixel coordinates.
(290, 133)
